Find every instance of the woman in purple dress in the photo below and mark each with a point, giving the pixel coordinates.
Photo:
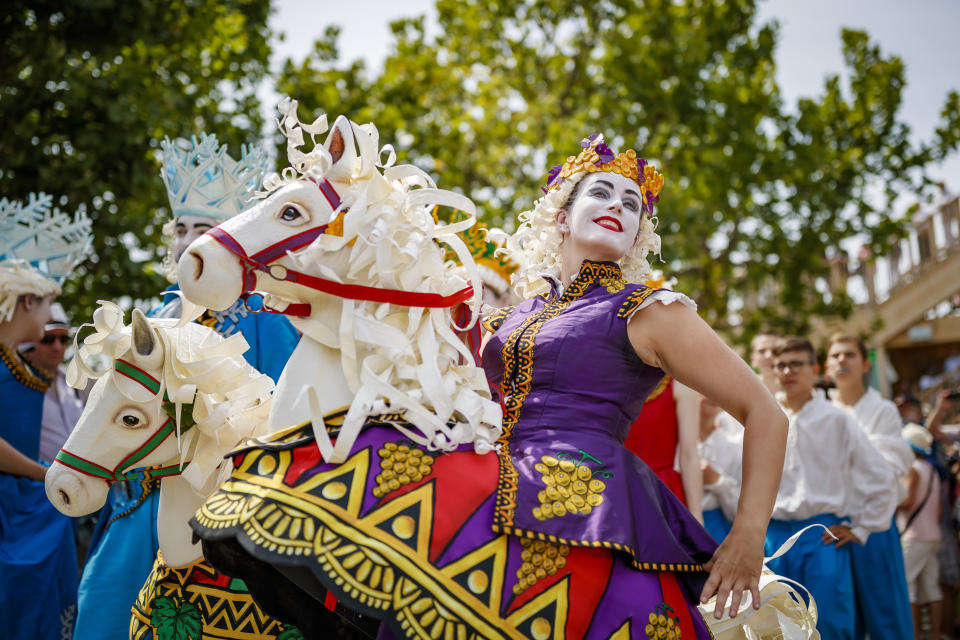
(562, 533)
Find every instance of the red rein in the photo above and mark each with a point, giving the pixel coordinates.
(261, 261)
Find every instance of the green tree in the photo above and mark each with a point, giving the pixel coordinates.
(87, 90)
(758, 195)
(843, 160)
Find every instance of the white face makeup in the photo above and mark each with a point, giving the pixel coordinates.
(188, 229)
(604, 219)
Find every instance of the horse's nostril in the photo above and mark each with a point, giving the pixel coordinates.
(64, 497)
(197, 265)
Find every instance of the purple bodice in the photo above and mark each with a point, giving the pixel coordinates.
(586, 373)
(572, 385)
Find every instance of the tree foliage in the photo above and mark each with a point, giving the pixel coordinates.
(759, 194)
(88, 88)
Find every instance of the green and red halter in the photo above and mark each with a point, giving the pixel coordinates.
(120, 473)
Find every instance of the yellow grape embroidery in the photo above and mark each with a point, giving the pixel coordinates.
(662, 626)
(400, 464)
(540, 559)
(571, 486)
(613, 284)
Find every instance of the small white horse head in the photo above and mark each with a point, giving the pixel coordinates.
(174, 399)
(293, 215)
(359, 252)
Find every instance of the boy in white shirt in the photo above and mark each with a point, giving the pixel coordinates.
(721, 448)
(832, 476)
(881, 613)
(721, 445)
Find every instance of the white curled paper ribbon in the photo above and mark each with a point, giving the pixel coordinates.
(783, 614)
(231, 399)
(394, 358)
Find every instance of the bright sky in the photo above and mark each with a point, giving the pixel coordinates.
(923, 33)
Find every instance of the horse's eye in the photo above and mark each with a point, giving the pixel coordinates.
(131, 418)
(290, 214)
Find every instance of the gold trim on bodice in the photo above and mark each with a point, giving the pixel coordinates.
(517, 381)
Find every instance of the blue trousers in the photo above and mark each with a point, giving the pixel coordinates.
(823, 569)
(716, 524)
(880, 585)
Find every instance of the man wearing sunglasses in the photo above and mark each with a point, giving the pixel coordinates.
(832, 476)
(62, 405)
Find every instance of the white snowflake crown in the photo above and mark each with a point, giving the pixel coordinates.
(44, 237)
(202, 180)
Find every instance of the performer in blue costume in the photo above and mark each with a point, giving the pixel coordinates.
(205, 187)
(38, 560)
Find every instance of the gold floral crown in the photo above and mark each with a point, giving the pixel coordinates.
(597, 156)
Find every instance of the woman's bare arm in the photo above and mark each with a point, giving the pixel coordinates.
(17, 464)
(688, 427)
(675, 339)
(913, 480)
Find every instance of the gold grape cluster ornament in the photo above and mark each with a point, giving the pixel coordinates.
(662, 626)
(571, 487)
(540, 559)
(400, 464)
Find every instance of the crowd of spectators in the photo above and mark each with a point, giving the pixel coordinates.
(881, 477)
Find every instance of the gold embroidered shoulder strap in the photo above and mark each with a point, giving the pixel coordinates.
(495, 318)
(634, 300)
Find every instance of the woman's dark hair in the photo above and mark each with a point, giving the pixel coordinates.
(573, 194)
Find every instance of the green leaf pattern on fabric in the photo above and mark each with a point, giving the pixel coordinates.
(290, 632)
(175, 619)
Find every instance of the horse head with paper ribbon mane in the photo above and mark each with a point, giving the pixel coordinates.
(345, 243)
(174, 398)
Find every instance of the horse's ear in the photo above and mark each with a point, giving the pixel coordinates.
(146, 346)
(342, 148)
(336, 145)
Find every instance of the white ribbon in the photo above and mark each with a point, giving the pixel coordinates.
(231, 400)
(393, 358)
(782, 613)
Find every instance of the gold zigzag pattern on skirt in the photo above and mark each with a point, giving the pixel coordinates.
(225, 612)
(379, 560)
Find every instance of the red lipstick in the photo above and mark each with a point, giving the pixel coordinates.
(609, 223)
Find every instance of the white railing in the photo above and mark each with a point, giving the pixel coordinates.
(931, 239)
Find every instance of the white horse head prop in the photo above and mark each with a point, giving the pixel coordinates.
(353, 256)
(174, 400)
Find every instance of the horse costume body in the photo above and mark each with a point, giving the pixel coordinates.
(384, 492)
(377, 495)
(172, 401)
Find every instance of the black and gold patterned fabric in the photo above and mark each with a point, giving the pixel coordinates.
(196, 601)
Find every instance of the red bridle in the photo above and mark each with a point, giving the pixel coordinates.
(261, 260)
